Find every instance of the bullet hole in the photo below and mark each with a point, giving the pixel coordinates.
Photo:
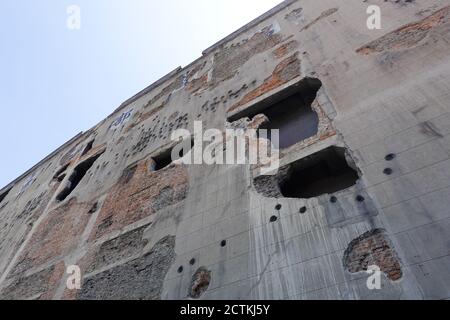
(388, 171)
(333, 199)
(180, 269)
(303, 210)
(200, 283)
(88, 147)
(325, 172)
(278, 207)
(360, 198)
(77, 175)
(390, 157)
(192, 262)
(273, 218)
(223, 243)
(94, 208)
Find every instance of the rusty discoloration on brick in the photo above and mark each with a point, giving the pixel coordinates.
(139, 194)
(373, 248)
(285, 49)
(407, 36)
(285, 71)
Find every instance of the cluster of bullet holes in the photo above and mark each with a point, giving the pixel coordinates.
(359, 198)
(291, 112)
(389, 157)
(77, 175)
(192, 262)
(325, 172)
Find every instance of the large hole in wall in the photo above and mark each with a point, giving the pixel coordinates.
(324, 172)
(164, 160)
(291, 112)
(77, 175)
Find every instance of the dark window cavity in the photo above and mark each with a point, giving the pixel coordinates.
(325, 172)
(291, 112)
(77, 175)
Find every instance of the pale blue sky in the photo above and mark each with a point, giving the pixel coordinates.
(56, 82)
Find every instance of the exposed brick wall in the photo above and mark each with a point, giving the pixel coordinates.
(140, 279)
(200, 283)
(373, 248)
(58, 234)
(285, 71)
(139, 194)
(409, 35)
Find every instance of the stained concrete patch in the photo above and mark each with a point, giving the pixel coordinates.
(140, 279)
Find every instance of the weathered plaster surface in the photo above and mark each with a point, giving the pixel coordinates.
(224, 232)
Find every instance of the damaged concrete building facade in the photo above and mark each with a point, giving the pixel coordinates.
(364, 119)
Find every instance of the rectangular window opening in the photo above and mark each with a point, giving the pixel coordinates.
(325, 172)
(290, 111)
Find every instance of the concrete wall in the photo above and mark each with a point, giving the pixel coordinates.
(137, 233)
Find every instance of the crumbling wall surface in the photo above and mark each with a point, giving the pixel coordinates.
(138, 279)
(368, 186)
